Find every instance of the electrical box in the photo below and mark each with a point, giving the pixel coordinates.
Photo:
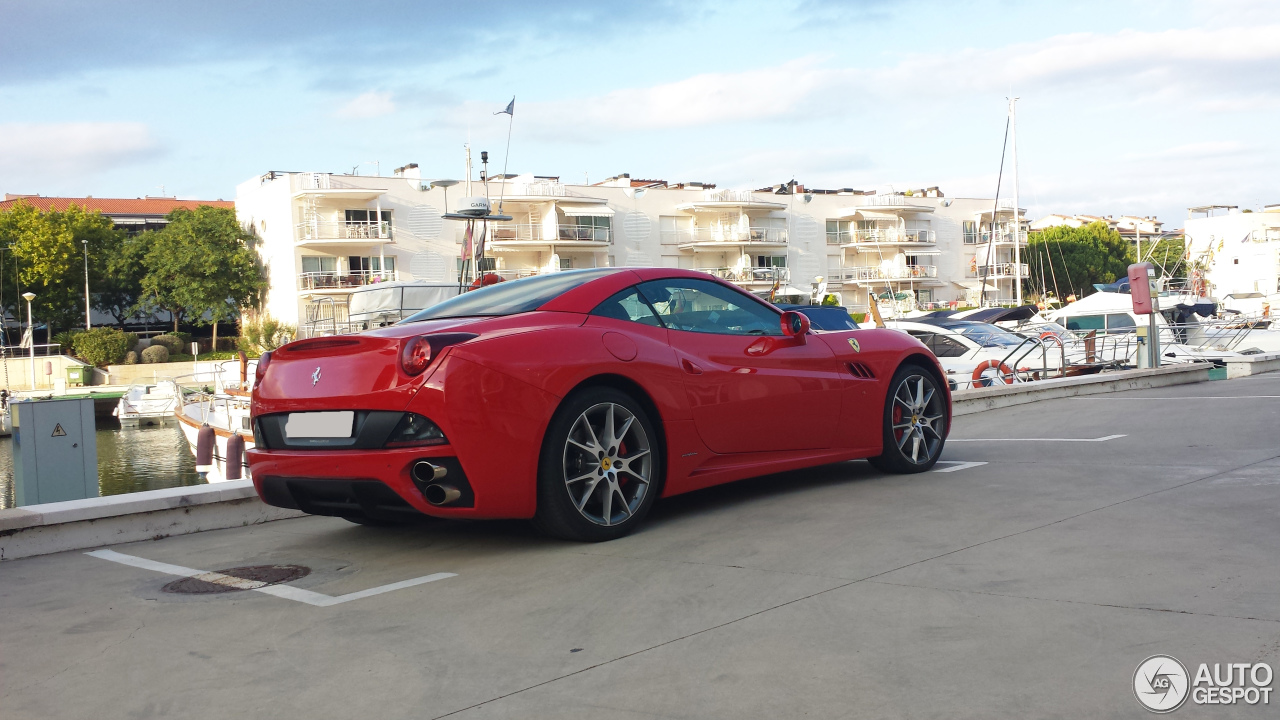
(1142, 288)
(55, 451)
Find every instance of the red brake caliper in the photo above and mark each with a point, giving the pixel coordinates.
(897, 420)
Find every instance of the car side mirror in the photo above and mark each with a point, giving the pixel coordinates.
(795, 325)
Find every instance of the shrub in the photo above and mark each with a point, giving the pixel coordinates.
(131, 358)
(859, 317)
(155, 354)
(102, 346)
(259, 335)
(170, 342)
(67, 339)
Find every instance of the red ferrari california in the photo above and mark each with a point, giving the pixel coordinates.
(579, 398)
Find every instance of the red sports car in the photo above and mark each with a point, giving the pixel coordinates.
(578, 398)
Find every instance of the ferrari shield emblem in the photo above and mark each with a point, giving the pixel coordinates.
(853, 343)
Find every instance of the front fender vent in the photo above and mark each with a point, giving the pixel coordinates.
(861, 371)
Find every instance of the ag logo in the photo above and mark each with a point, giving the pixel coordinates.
(853, 343)
(1161, 683)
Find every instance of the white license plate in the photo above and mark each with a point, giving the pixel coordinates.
(319, 424)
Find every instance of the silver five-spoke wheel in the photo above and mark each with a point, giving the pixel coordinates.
(918, 419)
(608, 464)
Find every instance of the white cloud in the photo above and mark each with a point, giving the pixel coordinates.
(1220, 69)
(32, 152)
(367, 105)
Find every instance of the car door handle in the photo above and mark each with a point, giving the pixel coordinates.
(690, 367)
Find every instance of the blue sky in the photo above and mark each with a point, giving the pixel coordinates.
(1126, 107)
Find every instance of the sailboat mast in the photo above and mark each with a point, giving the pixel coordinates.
(1017, 221)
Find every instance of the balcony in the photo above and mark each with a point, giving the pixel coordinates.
(751, 275)
(715, 238)
(342, 232)
(1003, 237)
(907, 273)
(522, 235)
(330, 186)
(340, 282)
(873, 238)
(1000, 270)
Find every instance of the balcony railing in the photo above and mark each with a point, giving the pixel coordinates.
(725, 235)
(880, 236)
(751, 274)
(1000, 270)
(1002, 236)
(321, 181)
(340, 281)
(903, 274)
(358, 230)
(537, 233)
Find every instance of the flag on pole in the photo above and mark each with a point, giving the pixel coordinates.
(510, 110)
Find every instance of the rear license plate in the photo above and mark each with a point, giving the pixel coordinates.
(319, 425)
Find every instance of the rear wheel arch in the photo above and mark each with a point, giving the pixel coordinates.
(629, 386)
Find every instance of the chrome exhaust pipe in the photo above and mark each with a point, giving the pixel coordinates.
(426, 473)
(441, 494)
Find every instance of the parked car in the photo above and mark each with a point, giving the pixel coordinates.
(578, 398)
(976, 354)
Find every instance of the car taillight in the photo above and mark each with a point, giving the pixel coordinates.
(261, 371)
(418, 352)
(416, 356)
(414, 429)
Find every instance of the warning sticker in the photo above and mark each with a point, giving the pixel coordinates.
(58, 431)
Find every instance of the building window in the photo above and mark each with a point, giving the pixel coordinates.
(566, 263)
(373, 264)
(367, 215)
(766, 261)
(586, 227)
(838, 232)
(970, 232)
(924, 296)
(319, 264)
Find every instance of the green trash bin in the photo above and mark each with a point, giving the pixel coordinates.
(77, 374)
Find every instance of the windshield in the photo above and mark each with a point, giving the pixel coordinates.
(990, 336)
(511, 297)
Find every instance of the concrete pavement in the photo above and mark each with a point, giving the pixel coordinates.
(1030, 586)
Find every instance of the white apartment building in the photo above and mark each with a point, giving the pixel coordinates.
(1125, 224)
(323, 235)
(1235, 255)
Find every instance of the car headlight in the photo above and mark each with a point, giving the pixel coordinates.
(414, 429)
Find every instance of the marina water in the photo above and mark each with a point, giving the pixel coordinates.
(129, 460)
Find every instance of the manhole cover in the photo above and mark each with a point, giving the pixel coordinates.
(236, 579)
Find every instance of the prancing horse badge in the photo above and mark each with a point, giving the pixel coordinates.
(853, 343)
(315, 376)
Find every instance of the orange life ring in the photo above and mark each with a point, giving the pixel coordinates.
(1006, 373)
(1046, 335)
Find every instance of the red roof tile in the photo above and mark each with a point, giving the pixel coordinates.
(115, 206)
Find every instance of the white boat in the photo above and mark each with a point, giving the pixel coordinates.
(227, 414)
(147, 404)
(225, 410)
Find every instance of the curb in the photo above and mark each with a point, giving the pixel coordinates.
(148, 515)
(967, 402)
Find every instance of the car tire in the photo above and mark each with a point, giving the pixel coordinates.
(915, 420)
(592, 485)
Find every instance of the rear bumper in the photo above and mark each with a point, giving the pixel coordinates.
(373, 483)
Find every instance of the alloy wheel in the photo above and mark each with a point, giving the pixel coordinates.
(918, 417)
(608, 464)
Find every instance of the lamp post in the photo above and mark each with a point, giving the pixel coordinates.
(87, 326)
(31, 333)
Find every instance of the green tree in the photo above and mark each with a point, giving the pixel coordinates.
(48, 248)
(1070, 260)
(202, 266)
(119, 293)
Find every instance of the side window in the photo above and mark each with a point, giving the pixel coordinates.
(944, 346)
(628, 306)
(1120, 323)
(706, 307)
(923, 336)
(1085, 323)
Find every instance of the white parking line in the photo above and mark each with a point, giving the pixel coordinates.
(1189, 397)
(958, 465)
(1100, 439)
(281, 591)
